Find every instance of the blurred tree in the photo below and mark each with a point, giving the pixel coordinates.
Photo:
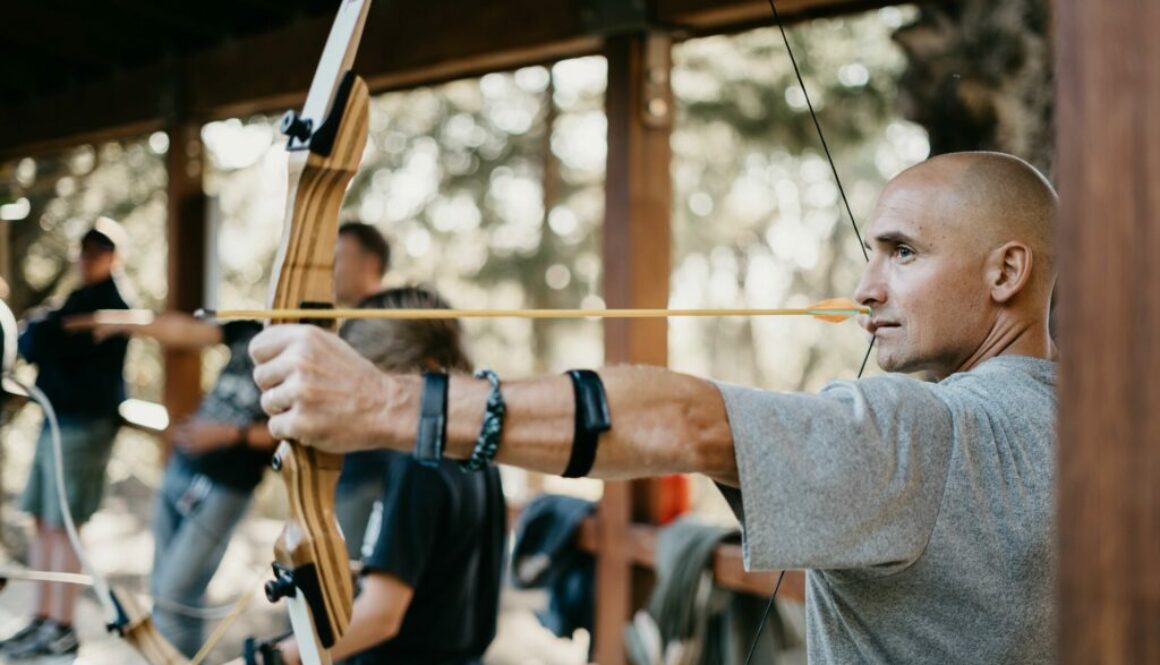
(979, 77)
(759, 221)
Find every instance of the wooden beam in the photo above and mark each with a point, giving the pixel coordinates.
(638, 193)
(186, 240)
(1108, 75)
(711, 16)
(129, 104)
(406, 43)
(637, 249)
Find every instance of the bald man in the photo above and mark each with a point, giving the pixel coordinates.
(922, 509)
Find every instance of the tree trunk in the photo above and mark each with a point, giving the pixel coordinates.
(979, 77)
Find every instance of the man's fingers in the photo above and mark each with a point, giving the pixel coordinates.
(279, 399)
(273, 373)
(286, 426)
(274, 340)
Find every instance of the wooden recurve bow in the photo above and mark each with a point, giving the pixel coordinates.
(325, 146)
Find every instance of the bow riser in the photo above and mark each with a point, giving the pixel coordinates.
(311, 548)
(317, 185)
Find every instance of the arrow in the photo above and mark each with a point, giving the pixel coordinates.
(834, 310)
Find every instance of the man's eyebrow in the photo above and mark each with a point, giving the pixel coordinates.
(891, 238)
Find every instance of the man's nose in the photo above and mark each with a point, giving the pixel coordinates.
(871, 291)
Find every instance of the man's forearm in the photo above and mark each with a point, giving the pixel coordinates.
(320, 391)
(662, 423)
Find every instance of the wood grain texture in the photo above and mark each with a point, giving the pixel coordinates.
(637, 249)
(142, 634)
(1108, 72)
(186, 235)
(304, 270)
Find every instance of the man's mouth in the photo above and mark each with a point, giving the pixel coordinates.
(876, 326)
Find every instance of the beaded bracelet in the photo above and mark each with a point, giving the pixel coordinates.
(492, 428)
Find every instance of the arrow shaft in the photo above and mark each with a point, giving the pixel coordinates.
(439, 314)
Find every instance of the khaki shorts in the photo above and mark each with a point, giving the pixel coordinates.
(86, 446)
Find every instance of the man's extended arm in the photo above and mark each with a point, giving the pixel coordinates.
(320, 391)
(170, 329)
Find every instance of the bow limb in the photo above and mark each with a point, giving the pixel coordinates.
(136, 628)
(325, 148)
(126, 617)
(131, 620)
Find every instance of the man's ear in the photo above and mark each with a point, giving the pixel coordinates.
(1009, 270)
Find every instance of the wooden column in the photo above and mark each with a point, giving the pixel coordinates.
(1108, 73)
(186, 234)
(637, 254)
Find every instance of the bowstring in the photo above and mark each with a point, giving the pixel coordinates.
(861, 245)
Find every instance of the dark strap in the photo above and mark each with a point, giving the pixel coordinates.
(262, 653)
(432, 419)
(592, 418)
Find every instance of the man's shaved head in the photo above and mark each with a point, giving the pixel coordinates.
(994, 198)
(962, 263)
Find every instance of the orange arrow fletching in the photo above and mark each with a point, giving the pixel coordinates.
(837, 310)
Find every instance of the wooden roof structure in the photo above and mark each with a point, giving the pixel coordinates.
(78, 71)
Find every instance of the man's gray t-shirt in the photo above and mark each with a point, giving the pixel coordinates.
(923, 511)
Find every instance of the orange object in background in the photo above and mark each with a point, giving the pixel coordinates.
(675, 498)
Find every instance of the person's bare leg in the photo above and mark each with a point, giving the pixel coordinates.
(40, 558)
(64, 596)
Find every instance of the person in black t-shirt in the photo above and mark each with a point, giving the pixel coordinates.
(220, 453)
(362, 257)
(430, 585)
(82, 377)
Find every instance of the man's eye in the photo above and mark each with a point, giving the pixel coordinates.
(903, 252)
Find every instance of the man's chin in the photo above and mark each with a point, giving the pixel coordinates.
(890, 360)
(918, 368)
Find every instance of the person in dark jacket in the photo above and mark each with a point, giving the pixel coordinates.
(82, 378)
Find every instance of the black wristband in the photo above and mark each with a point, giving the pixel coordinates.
(432, 430)
(592, 419)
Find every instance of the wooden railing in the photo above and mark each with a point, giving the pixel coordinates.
(728, 562)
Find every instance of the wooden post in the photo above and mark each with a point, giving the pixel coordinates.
(186, 235)
(637, 251)
(1108, 73)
